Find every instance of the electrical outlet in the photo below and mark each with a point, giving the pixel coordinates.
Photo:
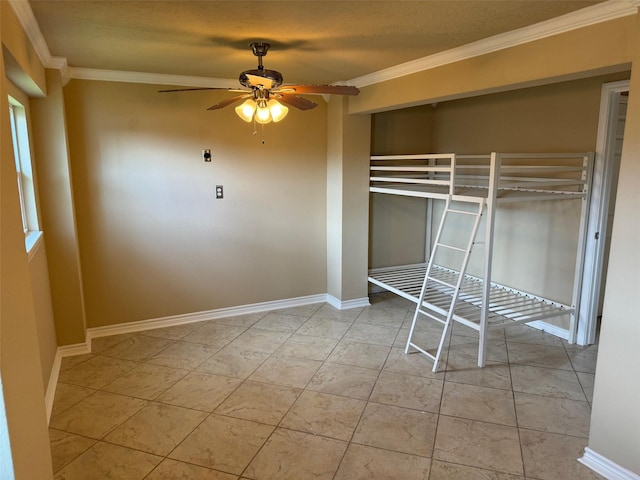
(206, 154)
(219, 191)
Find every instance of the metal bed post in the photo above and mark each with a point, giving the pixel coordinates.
(587, 164)
(494, 169)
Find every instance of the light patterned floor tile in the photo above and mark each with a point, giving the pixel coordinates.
(478, 403)
(286, 371)
(478, 444)
(97, 415)
(109, 462)
(354, 382)
(223, 443)
(413, 363)
(313, 392)
(408, 391)
(304, 346)
(260, 402)
(280, 322)
(234, 361)
(546, 381)
(200, 391)
(463, 369)
(65, 447)
(324, 327)
(290, 455)
(359, 354)
(550, 456)
(68, 395)
(539, 356)
(451, 471)
(174, 470)
(183, 355)
(257, 339)
(372, 333)
(146, 381)
(557, 415)
(324, 414)
(137, 347)
(369, 463)
(157, 428)
(398, 429)
(214, 334)
(96, 372)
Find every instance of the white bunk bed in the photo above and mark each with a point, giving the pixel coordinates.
(472, 186)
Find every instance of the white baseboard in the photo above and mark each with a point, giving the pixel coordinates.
(61, 352)
(549, 328)
(605, 467)
(347, 304)
(174, 320)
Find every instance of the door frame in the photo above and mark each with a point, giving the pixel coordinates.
(592, 272)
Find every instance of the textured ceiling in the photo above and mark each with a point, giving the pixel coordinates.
(312, 41)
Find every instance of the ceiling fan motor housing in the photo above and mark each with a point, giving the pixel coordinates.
(274, 76)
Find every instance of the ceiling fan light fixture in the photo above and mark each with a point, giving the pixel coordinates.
(263, 114)
(277, 110)
(246, 110)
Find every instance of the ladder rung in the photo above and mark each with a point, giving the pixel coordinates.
(452, 247)
(423, 351)
(432, 317)
(463, 212)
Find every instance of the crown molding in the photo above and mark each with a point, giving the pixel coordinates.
(152, 78)
(601, 12)
(23, 11)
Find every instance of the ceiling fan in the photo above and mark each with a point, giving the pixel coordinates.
(263, 92)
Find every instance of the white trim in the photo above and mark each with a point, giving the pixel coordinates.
(605, 467)
(61, 352)
(174, 320)
(549, 328)
(347, 304)
(601, 12)
(151, 78)
(23, 11)
(597, 215)
(32, 242)
(585, 17)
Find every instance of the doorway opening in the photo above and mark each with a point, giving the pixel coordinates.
(613, 109)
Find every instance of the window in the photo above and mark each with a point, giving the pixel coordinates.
(24, 172)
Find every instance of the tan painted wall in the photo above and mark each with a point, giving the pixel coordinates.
(20, 366)
(154, 241)
(348, 140)
(58, 211)
(615, 417)
(38, 267)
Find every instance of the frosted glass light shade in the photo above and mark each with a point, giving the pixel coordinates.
(246, 110)
(278, 111)
(263, 115)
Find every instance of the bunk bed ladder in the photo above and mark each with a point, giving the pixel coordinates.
(433, 282)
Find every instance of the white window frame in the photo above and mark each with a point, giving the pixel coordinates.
(24, 174)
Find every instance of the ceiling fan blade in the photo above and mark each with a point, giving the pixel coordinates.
(228, 101)
(202, 88)
(320, 89)
(295, 101)
(257, 80)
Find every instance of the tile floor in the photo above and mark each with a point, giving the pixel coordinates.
(316, 393)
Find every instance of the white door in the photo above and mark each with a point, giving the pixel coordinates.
(613, 109)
